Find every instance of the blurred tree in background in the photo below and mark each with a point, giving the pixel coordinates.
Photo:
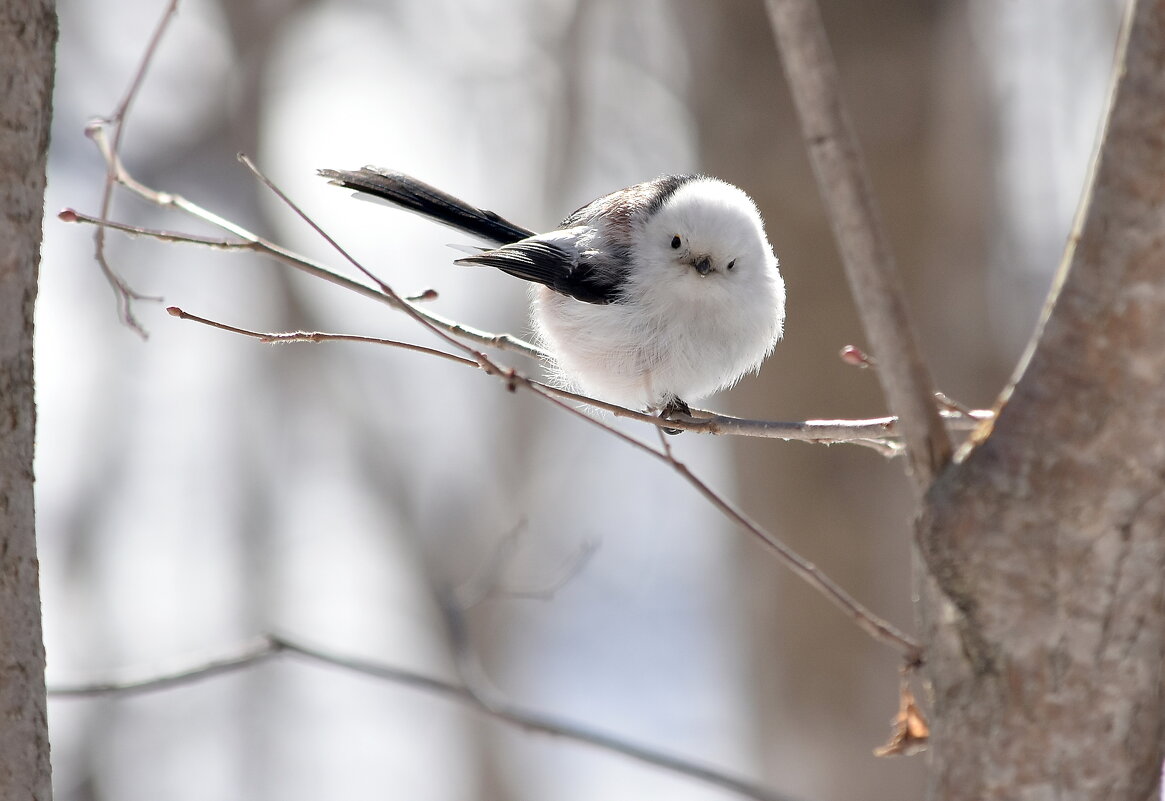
(196, 490)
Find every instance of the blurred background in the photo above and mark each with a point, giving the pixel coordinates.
(197, 488)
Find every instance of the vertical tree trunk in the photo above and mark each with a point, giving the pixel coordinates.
(1042, 553)
(28, 31)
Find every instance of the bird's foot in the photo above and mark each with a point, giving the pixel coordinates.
(674, 406)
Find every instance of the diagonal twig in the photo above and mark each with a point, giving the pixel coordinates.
(869, 264)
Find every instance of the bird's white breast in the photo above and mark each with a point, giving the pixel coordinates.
(684, 338)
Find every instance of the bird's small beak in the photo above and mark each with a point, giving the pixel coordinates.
(703, 265)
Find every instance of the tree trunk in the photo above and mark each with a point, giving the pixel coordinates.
(28, 31)
(1042, 552)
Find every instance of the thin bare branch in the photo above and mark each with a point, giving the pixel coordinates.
(272, 645)
(869, 265)
(820, 431)
(257, 244)
(247, 656)
(879, 433)
(287, 201)
(317, 336)
(878, 628)
(111, 149)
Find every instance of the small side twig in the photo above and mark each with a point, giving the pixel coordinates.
(112, 151)
(856, 357)
(488, 583)
(567, 572)
(317, 336)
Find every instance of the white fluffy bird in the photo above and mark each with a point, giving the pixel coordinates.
(650, 297)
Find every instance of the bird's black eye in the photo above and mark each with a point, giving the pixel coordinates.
(731, 264)
(675, 242)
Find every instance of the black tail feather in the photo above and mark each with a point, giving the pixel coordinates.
(417, 196)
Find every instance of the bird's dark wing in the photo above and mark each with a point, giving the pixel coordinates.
(588, 277)
(409, 193)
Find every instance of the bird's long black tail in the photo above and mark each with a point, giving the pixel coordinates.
(414, 195)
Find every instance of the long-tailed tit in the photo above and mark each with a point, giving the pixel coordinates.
(657, 294)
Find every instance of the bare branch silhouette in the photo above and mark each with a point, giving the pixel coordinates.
(110, 149)
(268, 646)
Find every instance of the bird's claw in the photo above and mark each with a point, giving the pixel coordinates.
(674, 406)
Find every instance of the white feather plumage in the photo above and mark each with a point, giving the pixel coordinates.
(677, 334)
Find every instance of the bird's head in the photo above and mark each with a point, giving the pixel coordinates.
(708, 230)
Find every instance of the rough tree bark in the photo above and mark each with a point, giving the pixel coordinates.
(1042, 552)
(28, 32)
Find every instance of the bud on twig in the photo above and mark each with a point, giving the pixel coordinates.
(856, 357)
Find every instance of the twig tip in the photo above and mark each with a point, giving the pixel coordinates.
(68, 215)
